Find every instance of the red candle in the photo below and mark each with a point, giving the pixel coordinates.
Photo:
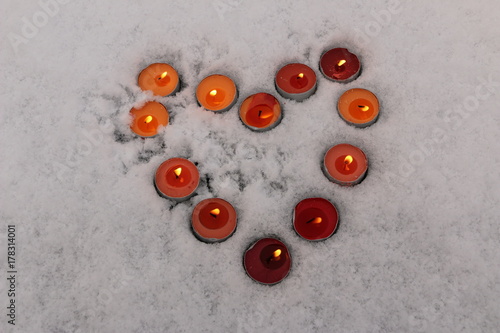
(315, 219)
(345, 164)
(296, 81)
(213, 220)
(177, 179)
(340, 65)
(161, 79)
(147, 120)
(260, 112)
(267, 261)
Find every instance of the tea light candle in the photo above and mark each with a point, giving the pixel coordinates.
(147, 120)
(315, 219)
(267, 261)
(358, 107)
(216, 93)
(177, 179)
(340, 65)
(345, 164)
(213, 220)
(161, 79)
(260, 112)
(296, 81)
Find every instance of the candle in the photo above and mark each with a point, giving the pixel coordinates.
(217, 93)
(358, 107)
(161, 79)
(267, 261)
(296, 81)
(340, 65)
(147, 120)
(177, 179)
(213, 220)
(315, 219)
(260, 112)
(345, 164)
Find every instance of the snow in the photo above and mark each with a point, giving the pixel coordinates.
(98, 250)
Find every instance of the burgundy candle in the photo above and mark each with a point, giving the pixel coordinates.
(315, 219)
(267, 261)
(296, 81)
(340, 65)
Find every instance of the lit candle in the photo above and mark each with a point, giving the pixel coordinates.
(340, 65)
(147, 120)
(345, 164)
(217, 93)
(213, 220)
(177, 179)
(267, 261)
(358, 107)
(161, 79)
(296, 81)
(260, 112)
(315, 219)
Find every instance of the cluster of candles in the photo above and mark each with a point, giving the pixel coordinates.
(268, 260)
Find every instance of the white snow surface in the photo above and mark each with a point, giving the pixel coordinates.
(418, 246)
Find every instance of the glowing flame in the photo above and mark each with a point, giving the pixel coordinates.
(363, 107)
(178, 172)
(315, 220)
(162, 76)
(341, 62)
(215, 212)
(265, 115)
(213, 92)
(148, 119)
(300, 76)
(347, 160)
(277, 253)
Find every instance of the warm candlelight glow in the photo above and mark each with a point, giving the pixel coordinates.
(213, 92)
(300, 76)
(341, 62)
(315, 220)
(347, 160)
(364, 107)
(148, 119)
(276, 254)
(265, 115)
(178, 172)
(215, 212)
(162, 76)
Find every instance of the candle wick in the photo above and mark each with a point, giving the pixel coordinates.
(260, 113)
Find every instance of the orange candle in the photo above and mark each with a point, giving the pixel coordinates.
(147, 120)
(296, 81)
(216, 93)
(260, 112)
(161, 79)
(177, 179)
(213, 220)
(358, 107)
(345, 164)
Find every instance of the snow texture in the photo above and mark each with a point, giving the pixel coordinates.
(418, 247)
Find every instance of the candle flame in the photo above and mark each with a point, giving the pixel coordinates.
(148, 119)
(162, 76)
(341, 62)
(363, 107)
(215, 212)
(213, 92)
(300, 76)
(277, 253)
(178, 172)
(347, 160)
(315, 220)
(265, 115)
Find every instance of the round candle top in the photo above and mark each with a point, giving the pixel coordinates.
(177, 178)
(147, 120)
(216, 93)
(261, 111)
(358, 107)
(295, 78)
(161, 79)
(315, 219)
(340, 65)
(213, 220)
(345, 164)
(267, 261)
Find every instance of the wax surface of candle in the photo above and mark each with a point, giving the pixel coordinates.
(161, 79)
(358, 107)
(216, 93)
(147, 120)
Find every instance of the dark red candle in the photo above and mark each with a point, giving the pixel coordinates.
(296, 81)
(315, 219)
(340, 65)
(267, 261)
